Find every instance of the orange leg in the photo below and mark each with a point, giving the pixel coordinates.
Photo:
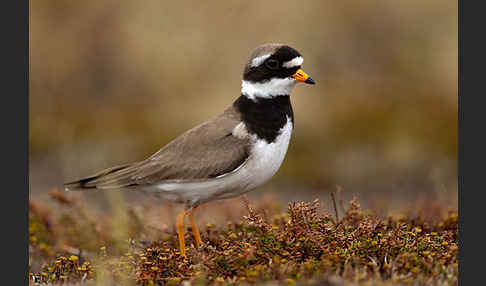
(195, 231)
(180, 232)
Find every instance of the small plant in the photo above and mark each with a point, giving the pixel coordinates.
(299, 245)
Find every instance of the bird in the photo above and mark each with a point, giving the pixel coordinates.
(226, 156)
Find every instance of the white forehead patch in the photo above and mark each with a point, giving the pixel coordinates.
(259, 60)
(295, 62)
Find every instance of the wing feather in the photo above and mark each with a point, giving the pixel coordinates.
(206, 151)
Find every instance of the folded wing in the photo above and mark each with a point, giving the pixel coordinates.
(206, 151)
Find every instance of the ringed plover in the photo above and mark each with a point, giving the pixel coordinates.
(226, 156)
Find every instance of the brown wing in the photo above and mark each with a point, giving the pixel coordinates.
(208, 150)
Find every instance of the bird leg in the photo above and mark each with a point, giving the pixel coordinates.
(180, 232)
(195, 231)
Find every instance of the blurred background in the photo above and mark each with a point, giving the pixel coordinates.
(111, 82)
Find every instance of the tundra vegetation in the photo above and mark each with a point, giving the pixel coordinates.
(271, 245)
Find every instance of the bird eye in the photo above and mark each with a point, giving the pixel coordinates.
(272, 64)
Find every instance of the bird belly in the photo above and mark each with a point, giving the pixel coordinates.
(263, 162)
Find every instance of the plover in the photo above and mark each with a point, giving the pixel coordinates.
(226, 156)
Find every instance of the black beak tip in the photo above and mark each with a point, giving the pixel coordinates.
(309, 80)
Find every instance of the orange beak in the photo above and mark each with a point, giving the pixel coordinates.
(301, 76)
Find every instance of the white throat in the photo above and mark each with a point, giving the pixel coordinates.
(268, 89)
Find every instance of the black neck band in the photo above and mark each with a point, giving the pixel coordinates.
(265, 116)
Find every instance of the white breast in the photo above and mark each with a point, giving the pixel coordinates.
(263, 162)
(266, 158)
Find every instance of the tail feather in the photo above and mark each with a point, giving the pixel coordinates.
(84, 183)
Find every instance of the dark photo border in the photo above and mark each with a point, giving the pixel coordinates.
(471, 160)
(15, 142)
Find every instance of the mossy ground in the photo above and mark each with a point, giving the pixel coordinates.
(270, 245)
